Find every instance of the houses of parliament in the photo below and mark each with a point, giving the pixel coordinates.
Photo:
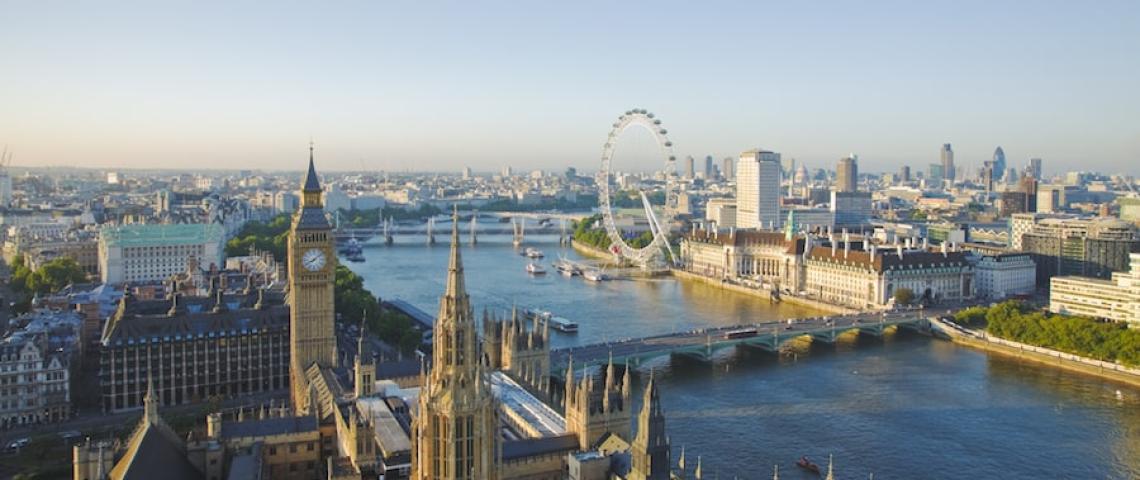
(483, 407)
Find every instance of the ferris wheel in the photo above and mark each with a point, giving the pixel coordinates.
(648, 254)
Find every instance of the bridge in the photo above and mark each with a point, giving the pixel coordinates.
(702, 344)
(471, 228)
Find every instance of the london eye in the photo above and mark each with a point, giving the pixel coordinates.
(658, 248)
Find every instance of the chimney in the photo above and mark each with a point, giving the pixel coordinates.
(900, 249)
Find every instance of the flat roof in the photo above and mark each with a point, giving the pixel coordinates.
(160, 234)
(535, 412)
(390, 434)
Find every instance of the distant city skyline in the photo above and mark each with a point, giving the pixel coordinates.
(423, 88)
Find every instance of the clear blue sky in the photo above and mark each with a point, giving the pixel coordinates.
(434, 85)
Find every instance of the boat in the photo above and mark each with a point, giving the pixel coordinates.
(350, 247)
(566, 268)
(563, 325)
(535, 269)
(356, 256)
(538, 314)
(806, 464)
(532, 252)
(595, 275)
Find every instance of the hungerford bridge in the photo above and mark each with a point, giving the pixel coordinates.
(702, 344)
(513, 223)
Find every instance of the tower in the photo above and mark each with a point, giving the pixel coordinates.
(650, 455)
(364, 368)
(758, 190)
(312, 266)
(592, 412)
(454, 430)
(847, 172)
(999, 165)
(947, 161)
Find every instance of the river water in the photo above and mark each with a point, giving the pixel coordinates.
(900, 407)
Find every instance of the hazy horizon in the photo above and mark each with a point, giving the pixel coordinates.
(436, 88)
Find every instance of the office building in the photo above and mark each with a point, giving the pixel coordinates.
(194, 348)
(947, 161)
(904, 173)
(758, 190)
(851, 209)
(1066, 245)
(847, 173)
(769, 257)
(710, 170)
(934, 175)
(690, 167)
(1004, 275)
(868, 278)
(1035, 168)
(727, 169)
(36, 356)
(1116, 299)
(998, 163)
(721, 211)
(152, 253)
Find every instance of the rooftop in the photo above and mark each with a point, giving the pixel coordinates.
(532, 410)
(270, 426)
(160, 235)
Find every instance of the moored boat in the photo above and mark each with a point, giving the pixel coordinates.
(595, 275)
(535, 269)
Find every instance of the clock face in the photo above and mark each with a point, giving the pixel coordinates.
(313, 260)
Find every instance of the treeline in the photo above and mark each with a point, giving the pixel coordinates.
(353, 301)
(632, 199)
(1016, 321)
(373, 217)
(51, 277)
(266, 237)
(589, 231)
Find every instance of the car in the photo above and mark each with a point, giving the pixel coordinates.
(19, 443)
(70, 435)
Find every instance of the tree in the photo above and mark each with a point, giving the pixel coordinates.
(904, 296)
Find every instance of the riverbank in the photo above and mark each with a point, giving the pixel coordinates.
(1043, 356)
(765, 294)
(590, 251)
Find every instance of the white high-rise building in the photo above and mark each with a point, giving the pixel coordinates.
(758, 189)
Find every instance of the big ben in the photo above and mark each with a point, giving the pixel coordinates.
(312, 274)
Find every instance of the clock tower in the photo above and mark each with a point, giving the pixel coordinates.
(312, 273)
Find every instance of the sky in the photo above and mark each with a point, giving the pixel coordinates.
(400, 86)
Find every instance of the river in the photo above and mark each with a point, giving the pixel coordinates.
(904, 406)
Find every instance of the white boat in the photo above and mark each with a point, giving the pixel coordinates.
(535, 269)
(532, 252)
(595, 275)
(539, 314)
(566, 268)
(563, 325)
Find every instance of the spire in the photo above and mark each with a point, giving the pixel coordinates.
(776, 472)
(697, 472)
(455, 287)
(312, 183)
(625, 382)
(570, 378)
(150, 403)
(830, 474)
(363, 333)
(681, 461)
